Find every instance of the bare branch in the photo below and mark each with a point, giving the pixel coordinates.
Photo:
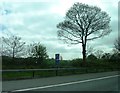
(13, 45)
(83, 23)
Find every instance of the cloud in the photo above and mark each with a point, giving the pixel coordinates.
(35, 21)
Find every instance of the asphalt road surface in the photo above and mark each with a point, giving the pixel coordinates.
(106, 81)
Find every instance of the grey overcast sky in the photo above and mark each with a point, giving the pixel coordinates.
(36, 20)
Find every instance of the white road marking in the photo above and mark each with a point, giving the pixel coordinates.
(63, 84)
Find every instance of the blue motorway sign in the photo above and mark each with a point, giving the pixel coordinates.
(57, 58)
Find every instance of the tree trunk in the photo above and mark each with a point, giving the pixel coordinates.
(84, 54)
(13, 55)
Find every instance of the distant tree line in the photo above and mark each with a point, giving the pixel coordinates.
(16, 54)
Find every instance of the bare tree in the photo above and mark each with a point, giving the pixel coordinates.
(83, 23)
(117, 44)
(12, 46)
(99, 54)
(89, 50)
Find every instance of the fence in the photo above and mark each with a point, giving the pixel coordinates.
(34, 73)
(55, 70)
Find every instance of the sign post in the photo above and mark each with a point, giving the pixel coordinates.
(57, 61)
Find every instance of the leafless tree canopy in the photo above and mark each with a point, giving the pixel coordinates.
(82, 23)
(117, 44)
(89, 50)
(99, 54)
(12, 45)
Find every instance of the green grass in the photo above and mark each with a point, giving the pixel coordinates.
(16, 75)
